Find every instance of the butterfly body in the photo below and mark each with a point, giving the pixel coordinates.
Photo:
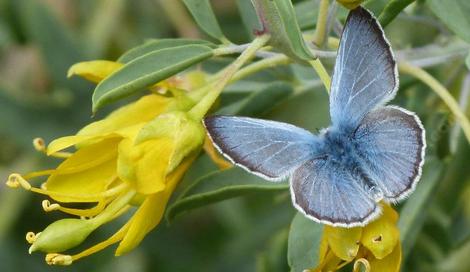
(370, 153)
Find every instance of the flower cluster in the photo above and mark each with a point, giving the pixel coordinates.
(134, 157)
(375, 247)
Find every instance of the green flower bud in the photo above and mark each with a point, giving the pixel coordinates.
(350, 4)
(62, 235)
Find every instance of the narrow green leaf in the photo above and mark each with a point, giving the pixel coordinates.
(391, 10)
(158, 44)
(454, 14)
(304, 243)
(249, 18)
(205, 18)
(467, 61)
(221, 185)
(413, 213)
(280, 20)
(146, 71)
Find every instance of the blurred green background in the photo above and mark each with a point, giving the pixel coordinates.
(41, 39)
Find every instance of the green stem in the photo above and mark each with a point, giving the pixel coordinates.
(322, 73)
(441, 91)
(320, 31)
(280, 59)
(200, 109)
(260, 65)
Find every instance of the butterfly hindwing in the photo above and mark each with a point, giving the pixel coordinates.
(391, 143)
(267, 148)
(365, 73)
(329, 193)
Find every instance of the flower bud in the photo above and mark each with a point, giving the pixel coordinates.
(62, 235)
(350, 4)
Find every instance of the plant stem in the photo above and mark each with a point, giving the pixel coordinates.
(441, 91)
(260, 65)
(200, 109)
(322, 73)
(320, 31)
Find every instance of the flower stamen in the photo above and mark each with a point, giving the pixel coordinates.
(31, 237)
(40, 146)
(364, 263)
(58, 259)
(15, 180)
(48, 207)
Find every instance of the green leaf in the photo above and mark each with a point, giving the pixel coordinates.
(454, 14)
(146, 71)
(221, 185)
(158, 44)
(281, 21)
(249, 17)
(413, 213)
(304, 243)
(391, 10)
(205, 18)
(467, 61)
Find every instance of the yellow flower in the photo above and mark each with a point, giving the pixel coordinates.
(136, 156)
(350, 4)
(376, 246)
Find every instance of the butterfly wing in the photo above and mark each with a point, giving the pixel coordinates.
(391, 143)
(365, 73)
(267, 148)
(329, 193)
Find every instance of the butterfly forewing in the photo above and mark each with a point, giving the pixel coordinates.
(365, 73)
(267, 148)
(391, 146)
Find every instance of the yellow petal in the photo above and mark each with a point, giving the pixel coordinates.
(215, 156)
(145, 165)
(391, 263)
(344, 242)
(151, 211)
(65, 142)
(330, 262)
(323, 249)
(88, 171)
(94, 71)
(186, 133)
(141, 111)
(381, 235)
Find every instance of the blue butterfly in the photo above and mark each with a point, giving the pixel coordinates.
(371, 152)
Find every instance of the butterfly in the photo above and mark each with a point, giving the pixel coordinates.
(371, 152)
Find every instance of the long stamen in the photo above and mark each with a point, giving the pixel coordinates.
(16, 180)
(40, 146)
(48, 207)
(39, 174)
